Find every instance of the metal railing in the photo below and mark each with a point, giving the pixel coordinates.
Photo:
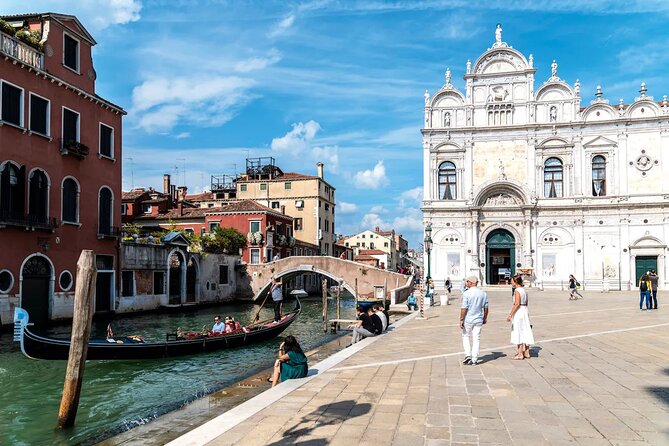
(109, 231)
(73, 148)
(13, 47)
(19, 219)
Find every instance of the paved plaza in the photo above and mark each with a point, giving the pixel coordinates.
(599, 375)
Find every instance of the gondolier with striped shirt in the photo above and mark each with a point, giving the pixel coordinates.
(277, 297)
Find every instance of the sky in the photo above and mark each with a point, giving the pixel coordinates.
(209, 83)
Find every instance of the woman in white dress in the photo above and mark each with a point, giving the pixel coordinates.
(521, 330)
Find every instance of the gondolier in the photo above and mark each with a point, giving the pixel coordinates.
(277, 296)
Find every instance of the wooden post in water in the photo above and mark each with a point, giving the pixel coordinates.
(356, 293)
(324, 285)
(81, 331)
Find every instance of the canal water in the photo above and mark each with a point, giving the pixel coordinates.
(119, 395)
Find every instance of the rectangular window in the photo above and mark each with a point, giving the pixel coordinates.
(70, 125)
(71, 52)
(210, 205)
(127, 283)
(263, 186)
(299, 204)
(242, 187)
(106, 141)
(39, 114)
(146, 208)
(255, 256)
(213, 225)
(104, 263)
(327, 226)
(158, 282)
(124, 209)
(275, 205)
(222, 274)
(189, 232)
(371, 245)
(289, 231)
(12, 104)
(385, 244)
(254, 226)
(298, 224)
(327, 207)
(287, 185)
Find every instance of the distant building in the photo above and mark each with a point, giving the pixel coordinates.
(375, 240)
(60, 168)
(308, 199)
(365, 255)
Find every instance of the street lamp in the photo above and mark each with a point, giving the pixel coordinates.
(427, 244)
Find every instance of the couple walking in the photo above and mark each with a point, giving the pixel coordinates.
(474, 314)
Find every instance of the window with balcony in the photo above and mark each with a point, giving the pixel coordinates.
(12, 192)
(553, 178)
(70, 126)
(38, 196)
(106, 141)
(12, 104)
(599, 176)
(39, 115)
(70, 201)
(71, 52)
(105, 212)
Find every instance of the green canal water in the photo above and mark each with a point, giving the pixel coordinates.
(119, 395)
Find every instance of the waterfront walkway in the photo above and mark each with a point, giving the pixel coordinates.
(599, 375)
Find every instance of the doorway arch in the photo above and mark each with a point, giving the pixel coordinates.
(191, 280)
(176, 270)
(36, 278)
(500, 248)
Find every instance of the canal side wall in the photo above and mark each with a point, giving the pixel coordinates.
(219, 277)
(143, 261)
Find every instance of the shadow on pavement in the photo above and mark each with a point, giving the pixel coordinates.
(325, 415)
(661, 393)
(491, 356)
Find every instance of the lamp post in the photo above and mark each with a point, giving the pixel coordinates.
(427, 244)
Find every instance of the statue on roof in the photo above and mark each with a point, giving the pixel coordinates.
(554, 66)
(427, 97)
(498, 35)
(577, 88)
(448, 77)
(469, 66)
(531, 61)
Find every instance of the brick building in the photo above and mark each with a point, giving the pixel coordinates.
(60, 167)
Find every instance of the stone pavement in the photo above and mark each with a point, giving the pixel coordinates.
(599, 375)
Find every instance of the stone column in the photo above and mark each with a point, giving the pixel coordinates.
(427, 171)
(623, 166)
(578, 156)
(626, 274)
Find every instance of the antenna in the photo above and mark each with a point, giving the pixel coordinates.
(184, 162)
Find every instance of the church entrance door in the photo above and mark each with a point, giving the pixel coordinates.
(643, 265)
(500, 257)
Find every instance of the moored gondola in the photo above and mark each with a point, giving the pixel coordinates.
(135, 348)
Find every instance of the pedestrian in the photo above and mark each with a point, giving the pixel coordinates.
(276, 257)
(277, 297)
(521, 329)
(411, 302)
(473, 315)
(644, 292)
(653, 289)
(573, 288)
(449, 286)
(431, 285)
(363, 327)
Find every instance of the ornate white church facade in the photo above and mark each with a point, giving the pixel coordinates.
(524, 178)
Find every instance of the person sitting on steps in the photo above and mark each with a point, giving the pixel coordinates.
(291, 363)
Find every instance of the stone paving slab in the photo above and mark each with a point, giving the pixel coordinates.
(599, 374)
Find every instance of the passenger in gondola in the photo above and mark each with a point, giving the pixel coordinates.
(219, 327)
(291, 364)
(229, 324)
(238, 326)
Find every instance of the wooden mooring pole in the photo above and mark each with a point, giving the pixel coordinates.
(356, 293)
(81, 332)
(324, 285)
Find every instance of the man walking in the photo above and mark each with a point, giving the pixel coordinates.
(652, 302)
(473, 315)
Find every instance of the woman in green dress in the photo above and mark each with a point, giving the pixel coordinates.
(292, 362)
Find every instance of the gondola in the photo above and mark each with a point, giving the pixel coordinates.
(135, 348)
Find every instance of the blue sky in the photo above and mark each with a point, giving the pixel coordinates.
(208, 83)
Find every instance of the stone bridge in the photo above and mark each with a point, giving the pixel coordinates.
(345, 272)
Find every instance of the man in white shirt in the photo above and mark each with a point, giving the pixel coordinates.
(219, 327)
(473, 315)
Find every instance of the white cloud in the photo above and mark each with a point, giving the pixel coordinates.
(298, 140)
(346, 208)
(162, 102)
(183, 135)
(378, 209)
(328, 155)
(282, 27)
(372, 220)
(372, 178)
(258, 63)
(411, 197)
(406, 136)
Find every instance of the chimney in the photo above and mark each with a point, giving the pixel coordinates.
(173, 192)
(166, 184)
(180, 207)
(283, 210)
(377, 229)
(320, 170)
(182, 193)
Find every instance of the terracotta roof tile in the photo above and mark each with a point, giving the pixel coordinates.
(133, 194)
(372, 252)
(364, 257)
(202, 196)
(175, 214)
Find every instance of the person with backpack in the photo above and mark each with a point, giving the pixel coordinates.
(644, 292)
(653, 289)
(573, 288)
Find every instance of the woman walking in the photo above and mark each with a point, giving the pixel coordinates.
(521, 330)
(573, 288)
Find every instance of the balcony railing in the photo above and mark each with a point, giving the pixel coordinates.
(109, 232)
(27, 221)
(73, 148)
(13, 47)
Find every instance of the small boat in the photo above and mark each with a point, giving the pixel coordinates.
(299, 293)
(134, 347)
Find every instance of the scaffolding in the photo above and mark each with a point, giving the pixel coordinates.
(263, 168)
(223, 183)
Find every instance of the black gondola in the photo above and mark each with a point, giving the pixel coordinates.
(41, 347)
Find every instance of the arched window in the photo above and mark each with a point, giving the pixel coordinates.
(553, 178)
(12, 192)
(105, 212)
(38, 198)
(599, 176)
(447, 181)
(70, 201)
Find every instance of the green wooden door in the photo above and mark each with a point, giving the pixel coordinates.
(500, 255)
(643, 264)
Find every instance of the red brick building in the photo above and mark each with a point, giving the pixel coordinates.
(60, 167)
